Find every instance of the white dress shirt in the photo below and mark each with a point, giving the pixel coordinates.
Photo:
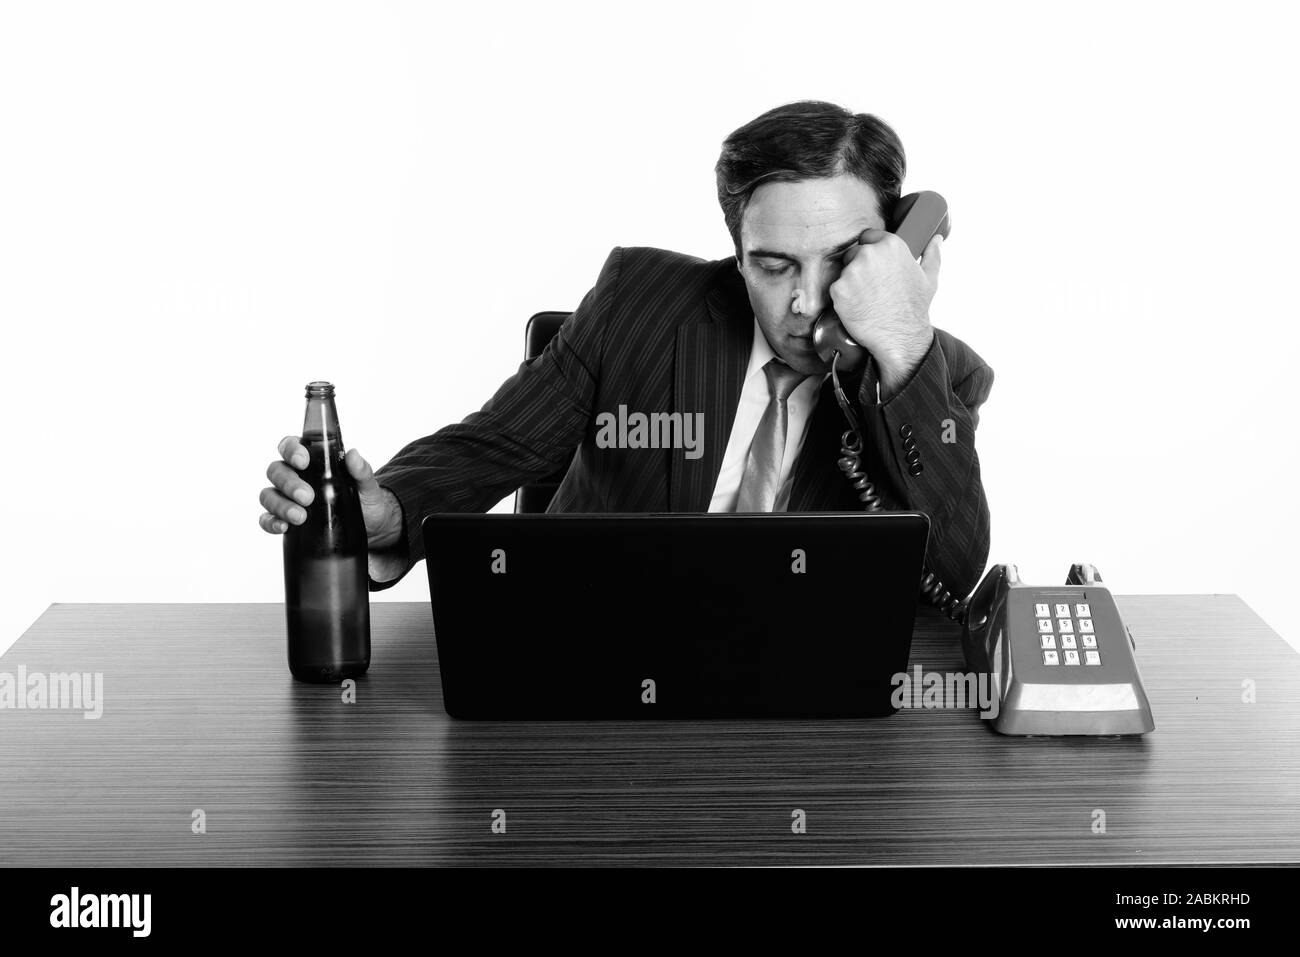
(754, 399)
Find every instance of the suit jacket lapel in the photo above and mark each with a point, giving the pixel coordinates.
(708, 372)
(818, 482)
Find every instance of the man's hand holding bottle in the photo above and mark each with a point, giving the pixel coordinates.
(288, 493)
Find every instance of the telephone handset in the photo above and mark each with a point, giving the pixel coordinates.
(917, 219)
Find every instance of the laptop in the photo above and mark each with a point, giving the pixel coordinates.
(651, 616)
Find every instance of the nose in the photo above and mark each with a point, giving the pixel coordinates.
(811, 295)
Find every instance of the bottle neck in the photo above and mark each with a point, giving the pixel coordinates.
(321, 421)
(321, 433)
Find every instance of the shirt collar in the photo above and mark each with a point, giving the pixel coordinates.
(761, 354)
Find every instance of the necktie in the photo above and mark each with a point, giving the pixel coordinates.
(762, 479)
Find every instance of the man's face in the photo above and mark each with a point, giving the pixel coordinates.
(792, 236)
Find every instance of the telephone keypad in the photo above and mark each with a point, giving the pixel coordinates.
(1074, 624)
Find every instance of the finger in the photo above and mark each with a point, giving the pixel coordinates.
(360, 469)
(932, 258)
(281, 507)
(272, 524)
(292, 451)
(287, 482)
(867, 238)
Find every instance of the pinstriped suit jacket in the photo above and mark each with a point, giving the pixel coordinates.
(664, 332)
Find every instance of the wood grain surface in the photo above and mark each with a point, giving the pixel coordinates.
(200, 712)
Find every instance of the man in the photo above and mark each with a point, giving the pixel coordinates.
(805, 190)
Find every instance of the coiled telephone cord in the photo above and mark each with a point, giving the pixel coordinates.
(932, 589)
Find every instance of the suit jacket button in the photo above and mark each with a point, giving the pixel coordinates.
(913, 457)
(908, 444)
(916, 468)
(905, 431)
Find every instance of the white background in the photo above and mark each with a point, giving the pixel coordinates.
(205, 206)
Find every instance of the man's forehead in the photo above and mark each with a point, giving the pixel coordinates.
(809, 216)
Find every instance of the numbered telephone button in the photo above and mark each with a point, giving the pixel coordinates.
(1049, 641)
(1092, 657)
(1090, 641)
(1067, 641)
(1085, 624)
(1044, 626)
(1071, 657)
(1062, 611)
(1042, 612)
(1082, 611)
(1064, 625)
(1049, 658)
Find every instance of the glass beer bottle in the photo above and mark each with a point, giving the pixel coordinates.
(326, 577)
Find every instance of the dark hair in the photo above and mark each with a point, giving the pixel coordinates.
(808, 140)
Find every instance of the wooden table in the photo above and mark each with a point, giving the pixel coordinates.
(200, 713)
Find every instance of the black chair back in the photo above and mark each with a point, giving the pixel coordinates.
(540, 330)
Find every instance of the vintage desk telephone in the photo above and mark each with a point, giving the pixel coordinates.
(1060, 659)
